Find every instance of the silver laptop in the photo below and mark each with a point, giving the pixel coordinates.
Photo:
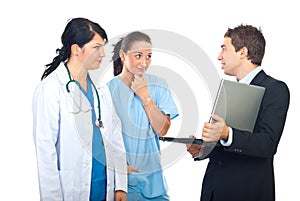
(238, 104)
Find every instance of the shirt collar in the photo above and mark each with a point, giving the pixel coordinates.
(250, 76)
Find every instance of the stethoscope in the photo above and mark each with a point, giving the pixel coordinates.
(98, 122)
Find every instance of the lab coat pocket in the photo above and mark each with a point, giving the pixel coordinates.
(67, 183)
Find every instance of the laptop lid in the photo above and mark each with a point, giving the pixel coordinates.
(238, 104)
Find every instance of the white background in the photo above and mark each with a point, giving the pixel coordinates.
(30, 33)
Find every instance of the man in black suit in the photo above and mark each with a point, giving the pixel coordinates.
(241, 169)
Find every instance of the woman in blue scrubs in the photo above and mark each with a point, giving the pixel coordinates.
(145, 107)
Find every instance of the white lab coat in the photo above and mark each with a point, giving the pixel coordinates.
(63, 139)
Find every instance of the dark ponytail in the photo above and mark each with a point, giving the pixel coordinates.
(117, 62)
(78, 31)
(62, 56)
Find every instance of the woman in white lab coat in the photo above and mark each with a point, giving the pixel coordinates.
(79, 146)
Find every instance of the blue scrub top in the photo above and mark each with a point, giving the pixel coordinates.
(98, 178)
(141, 142)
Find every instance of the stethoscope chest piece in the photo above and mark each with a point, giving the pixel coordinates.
(99, 123)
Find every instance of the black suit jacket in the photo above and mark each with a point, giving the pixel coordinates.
(244, 170)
